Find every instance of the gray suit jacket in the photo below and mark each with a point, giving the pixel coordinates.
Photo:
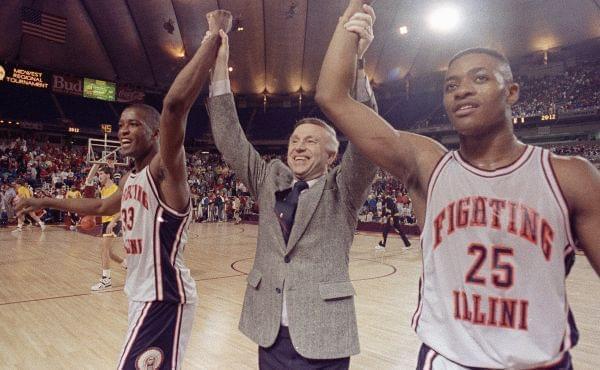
(313, 266)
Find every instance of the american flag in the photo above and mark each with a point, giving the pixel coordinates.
(47, 26)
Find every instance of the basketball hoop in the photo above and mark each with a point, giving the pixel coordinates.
(105, 151)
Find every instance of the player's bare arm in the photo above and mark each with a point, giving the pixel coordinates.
(84, 206)
(111, 225)
(92, 173)
(580, 183)
(408, 156)
(220, 71)
(169, 168)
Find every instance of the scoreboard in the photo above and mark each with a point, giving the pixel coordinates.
(553, 117)
(98, 89)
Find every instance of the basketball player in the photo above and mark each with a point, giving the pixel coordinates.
(23, 192)
(73, 193)
(111, 227)
(154, 200)
(391, 217)
(499, 219)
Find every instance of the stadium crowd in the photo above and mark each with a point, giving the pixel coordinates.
(589, 150)
(51, 170)
(575, 90)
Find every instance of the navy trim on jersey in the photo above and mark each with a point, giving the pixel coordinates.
(435, 174)
(161, 202)
(573, 331)
(569, 259)
(170, 230)
(158, 331)
(133, 173)
(417, 314)
(134, 333)
(169, 226)
(177, 336)
(156, 256)
(552, 181)
(173, 258)
(427, 355)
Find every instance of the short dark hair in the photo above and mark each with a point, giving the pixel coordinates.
(491, 52)
(150, 113)
(487, 51)
(107, 170)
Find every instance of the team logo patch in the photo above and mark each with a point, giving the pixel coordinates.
(150, 359)
(2, 73)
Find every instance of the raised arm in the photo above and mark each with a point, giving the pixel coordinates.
(356, 171)
(91, 174)
(170, 167)
(408, 156)
(226, 129)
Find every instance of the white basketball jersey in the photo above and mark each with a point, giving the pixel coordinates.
(497, 247)
(155, 236)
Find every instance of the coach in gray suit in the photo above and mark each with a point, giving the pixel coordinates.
(299, 302)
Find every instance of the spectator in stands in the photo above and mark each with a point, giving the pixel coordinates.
(204, 204)
(7, 201)
(219, 207)
(236, 205)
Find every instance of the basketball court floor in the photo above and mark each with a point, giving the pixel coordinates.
(50, 319)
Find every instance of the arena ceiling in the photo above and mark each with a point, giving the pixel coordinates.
(280, 50)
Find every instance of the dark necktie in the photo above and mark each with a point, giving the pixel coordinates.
(285, 208)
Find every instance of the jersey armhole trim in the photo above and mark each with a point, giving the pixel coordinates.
(158, 284)
(552, 181)
(441, 163)
(161, 202)
(414, 323)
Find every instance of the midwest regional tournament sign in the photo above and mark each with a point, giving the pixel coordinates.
(24, 77)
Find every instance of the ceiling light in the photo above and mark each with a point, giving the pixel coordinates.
(176, 51)
(444, 18)
(240, 28)
(230, 69)
(403, 30)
